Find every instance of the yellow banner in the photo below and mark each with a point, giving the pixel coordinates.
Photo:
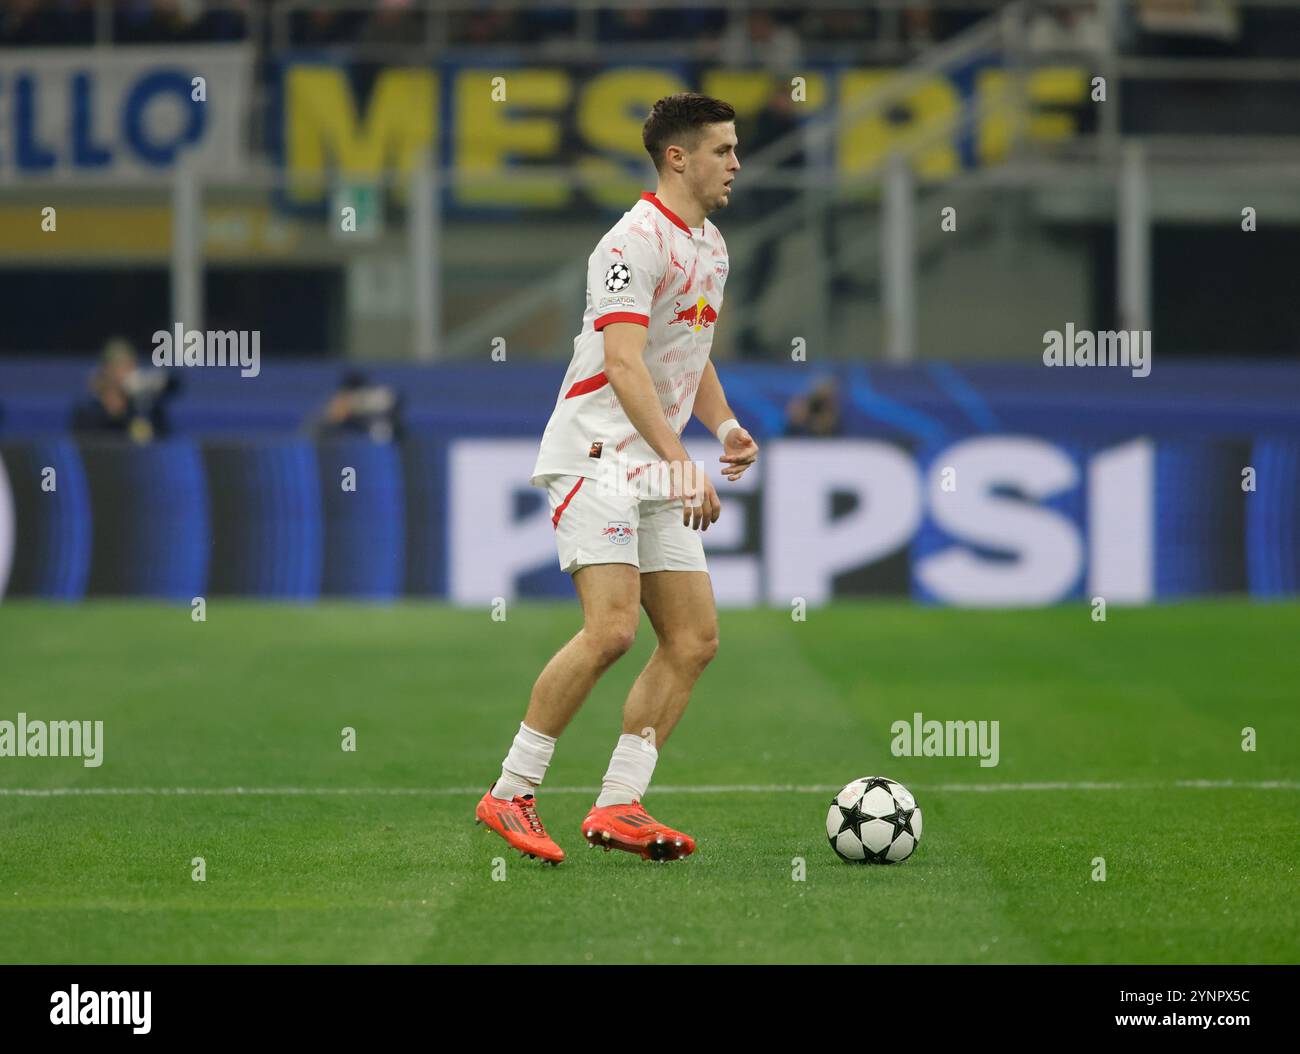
(503, 123)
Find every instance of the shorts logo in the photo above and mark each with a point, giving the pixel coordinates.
(595, 449)
(617, 278)
(619, 532)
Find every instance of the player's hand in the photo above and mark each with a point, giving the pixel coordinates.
(739, 452)
(701, 505)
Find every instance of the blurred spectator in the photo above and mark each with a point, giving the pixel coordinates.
(628, 25)
(125, 399)
(919, 29)
(324, 25)
(924, 23)
(817, 413)
(45, 22)
(759, 40)
(172, 21)
(549, 24)
(394, 22)
(634, 25)
(359, 408)
(484, 28)
(1065, 29)
(839, 26)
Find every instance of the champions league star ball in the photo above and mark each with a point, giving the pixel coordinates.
(874, 820)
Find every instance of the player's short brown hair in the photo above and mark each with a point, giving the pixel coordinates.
(680, 119)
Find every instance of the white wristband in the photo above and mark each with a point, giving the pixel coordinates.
(726, 427)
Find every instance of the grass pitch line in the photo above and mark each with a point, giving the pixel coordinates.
(736, 788)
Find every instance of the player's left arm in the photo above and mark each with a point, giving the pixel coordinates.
(739, 450)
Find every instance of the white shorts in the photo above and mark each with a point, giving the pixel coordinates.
(596, 525)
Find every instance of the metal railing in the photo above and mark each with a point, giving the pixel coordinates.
(878, 198)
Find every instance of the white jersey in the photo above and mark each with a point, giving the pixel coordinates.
(653, 270)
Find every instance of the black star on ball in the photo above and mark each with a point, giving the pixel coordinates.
(853, 819)
(902, 821)
(874, 857)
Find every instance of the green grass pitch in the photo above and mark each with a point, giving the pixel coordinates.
(372, 856)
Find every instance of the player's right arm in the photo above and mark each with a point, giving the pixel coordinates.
(626, 370)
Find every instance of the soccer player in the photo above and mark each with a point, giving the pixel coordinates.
(627, 504)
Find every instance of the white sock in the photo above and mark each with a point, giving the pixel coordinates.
(630, 769)
(524, 767)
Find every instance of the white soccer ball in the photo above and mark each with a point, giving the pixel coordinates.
(874, 820)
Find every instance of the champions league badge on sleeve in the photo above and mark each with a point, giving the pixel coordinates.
(618, 277)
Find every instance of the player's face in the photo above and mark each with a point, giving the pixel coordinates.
(714, 165)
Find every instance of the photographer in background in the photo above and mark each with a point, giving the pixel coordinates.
(816, 413)
(125, 399)
(359, 408)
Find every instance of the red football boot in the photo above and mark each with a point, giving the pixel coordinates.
(517, 822)
(632, 829)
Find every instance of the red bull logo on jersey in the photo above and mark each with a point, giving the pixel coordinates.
(619, 532)
(698, 316)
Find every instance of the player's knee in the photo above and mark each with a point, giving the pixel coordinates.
(612, 642)
(694, 652)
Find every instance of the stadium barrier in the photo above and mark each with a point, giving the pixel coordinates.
(995, 486)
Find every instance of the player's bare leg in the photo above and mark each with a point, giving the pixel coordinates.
(680, 606)
(610, 596)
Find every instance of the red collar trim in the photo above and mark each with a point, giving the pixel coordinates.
(648, 195)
